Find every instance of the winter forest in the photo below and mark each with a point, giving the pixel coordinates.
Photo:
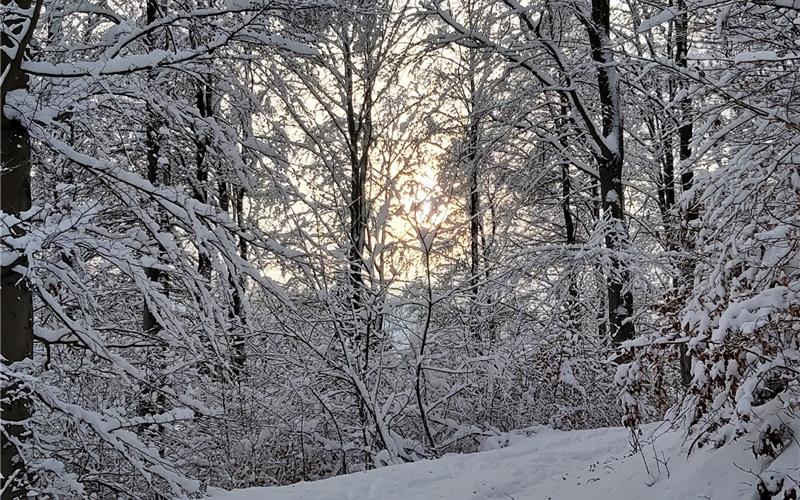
(249, 243)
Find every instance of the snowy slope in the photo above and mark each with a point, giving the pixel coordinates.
(553, 465)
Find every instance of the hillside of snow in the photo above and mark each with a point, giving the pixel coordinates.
(554, 465)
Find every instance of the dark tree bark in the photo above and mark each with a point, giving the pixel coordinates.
(360, 48)
(152, 149)
(571, 306)
(602, 309)
(474, 222)
(565, 123)
(149, 322)
(238, 342)
(685, 132)
(156, 175)
(205, 89)
(236, 312)
(359, 132)
(610, 162)
(666, 188)
(16, 299)
(204, 94)
(668, 158)
(566, 209)
(223, 197)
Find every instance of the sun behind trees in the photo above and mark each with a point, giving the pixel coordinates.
(253, 242)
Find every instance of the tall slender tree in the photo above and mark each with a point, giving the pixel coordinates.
(16, 329)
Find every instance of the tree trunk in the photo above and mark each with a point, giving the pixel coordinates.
(16, 298)
(205, 107)
(149, 402)
(152, 148)
(237, 342)
(610, 162)
(569, 230)
(359, 135)
(570, 309)
(687, 174)
(602, 309)
(204, 98)
(474, 224)
(150, 324)
(666, 191)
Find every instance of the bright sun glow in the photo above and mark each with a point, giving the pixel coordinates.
(424, 202)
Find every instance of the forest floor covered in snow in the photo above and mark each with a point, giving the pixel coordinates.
(554, 465)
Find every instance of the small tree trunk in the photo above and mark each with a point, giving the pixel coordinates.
(238, 341)
(204, 106)
(150, 324)
(474, 225)
(667, 181)
(685, 132)
(152, 148)
(571, 313)
(602, 292)
(149, 402)
(569, 230)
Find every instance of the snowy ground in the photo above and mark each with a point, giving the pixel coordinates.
(553, 465)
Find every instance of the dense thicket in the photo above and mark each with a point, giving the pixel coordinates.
(251, 242)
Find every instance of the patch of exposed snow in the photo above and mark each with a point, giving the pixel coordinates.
(755, 56)
(555, 465)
